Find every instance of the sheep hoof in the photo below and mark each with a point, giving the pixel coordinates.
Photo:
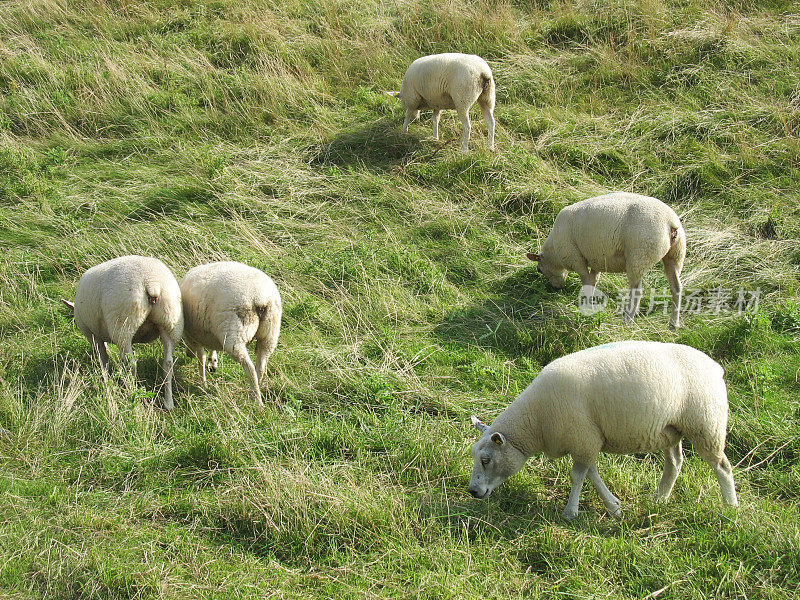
(568, 514)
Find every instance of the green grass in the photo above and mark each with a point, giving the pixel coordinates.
(259, 132)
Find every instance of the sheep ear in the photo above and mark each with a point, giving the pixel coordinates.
(498, 438)
(478, 424)
(68, 304)
(533, 256)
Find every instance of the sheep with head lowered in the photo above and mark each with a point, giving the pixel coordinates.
(127, 300)
(622, 397)
(449, 81)
(617, 233)
(226, 305)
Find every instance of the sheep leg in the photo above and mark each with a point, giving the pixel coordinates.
(673, 461)
(721, 466)
(610, 501)
(240, 353)
(463, 114)
(634, 299)
(264, 349)
(168, 365)
(435, 121)
(128, 361)
(676, 288)
(99, 349)
(577, 476)
(202, 357)
(411, 115)
(488, 114)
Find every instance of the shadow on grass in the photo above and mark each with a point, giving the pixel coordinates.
(526, 318)
(379, 146)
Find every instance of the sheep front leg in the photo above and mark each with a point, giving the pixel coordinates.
(577, 477)
(463, 114)
(610, 501)
(243, 357)
(101, 352)
(435, 122)
(202, 357)
(673, 461)
(411, 115)
(168, 365)
(128, 361)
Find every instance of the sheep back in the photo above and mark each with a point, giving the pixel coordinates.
(228, 303)
(444, 81)
(130, 297)
(607, 230)
(626, 397)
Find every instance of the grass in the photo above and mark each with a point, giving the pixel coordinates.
(259, 132)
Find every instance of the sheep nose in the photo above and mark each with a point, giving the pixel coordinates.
(475, 493)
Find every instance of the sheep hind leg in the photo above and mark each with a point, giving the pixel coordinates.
(723, 470)
(673, 461)
(488, 114)
(577, 477)
(466, 127)
(634, 300)
(435, 122)
(168, 365)
(240, 354)
(610, 501)
(676, 289)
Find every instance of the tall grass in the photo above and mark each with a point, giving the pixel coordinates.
(259, 132)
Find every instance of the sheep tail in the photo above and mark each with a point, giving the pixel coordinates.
(153, 291)
(677, 244)
(487, 83)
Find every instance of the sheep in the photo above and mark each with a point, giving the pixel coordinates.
(127, 300)
(618, 233)
(226, 305)
(445, 81)
(622, 397)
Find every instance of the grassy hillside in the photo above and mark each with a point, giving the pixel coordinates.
(258, 131)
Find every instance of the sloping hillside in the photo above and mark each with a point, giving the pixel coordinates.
(199, 130)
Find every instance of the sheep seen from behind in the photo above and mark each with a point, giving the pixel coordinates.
(617, 233)
(127, 300)
(449, 81)
(227, 305)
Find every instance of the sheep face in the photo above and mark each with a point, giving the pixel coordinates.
(555, 273)
(213, 361)
(495, 461)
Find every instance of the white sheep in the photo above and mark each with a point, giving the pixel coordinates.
(226, 305)
(445, 81)
(617, 233)
(127, 300)
(622, 397)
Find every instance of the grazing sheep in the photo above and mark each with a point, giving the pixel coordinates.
(226, 305)
(617, 233)
(451, 80)
(127, 300)
(622, 397)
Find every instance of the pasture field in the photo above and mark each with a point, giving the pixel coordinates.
(199, 130)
